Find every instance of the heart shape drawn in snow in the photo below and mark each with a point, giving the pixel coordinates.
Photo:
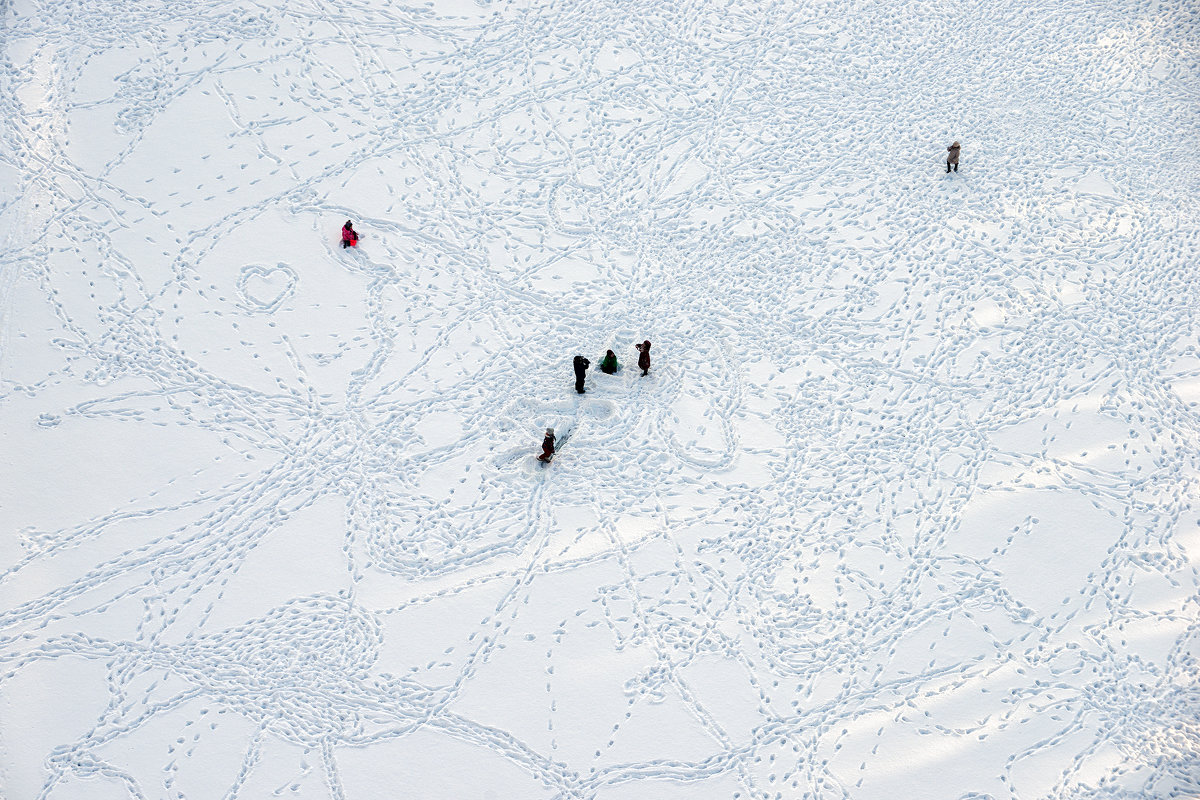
(266, 288)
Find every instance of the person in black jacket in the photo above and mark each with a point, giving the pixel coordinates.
(581, 366)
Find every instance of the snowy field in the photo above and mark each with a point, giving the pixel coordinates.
(906, 507)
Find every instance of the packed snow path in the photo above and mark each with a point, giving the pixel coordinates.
(905, 507)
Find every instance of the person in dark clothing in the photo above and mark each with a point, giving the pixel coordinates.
(644, 356)
(608, 364)
(581, 366)
(547, 446)
(349, 235)
(952, 156)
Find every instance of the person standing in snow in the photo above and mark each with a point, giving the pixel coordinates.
(547, 446)
(581, 366)
(608, 364)
(349, 235)
(643, 356)
(952, 156)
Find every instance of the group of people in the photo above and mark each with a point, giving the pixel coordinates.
(609, 364)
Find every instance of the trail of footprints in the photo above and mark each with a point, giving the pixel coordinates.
(852, 352)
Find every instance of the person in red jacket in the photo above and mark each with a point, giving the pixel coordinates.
(349, 235)
(643, 356)
(547, 446)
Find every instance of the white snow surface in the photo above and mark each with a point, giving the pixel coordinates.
(905, 507)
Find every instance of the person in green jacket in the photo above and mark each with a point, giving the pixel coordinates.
(608, 364)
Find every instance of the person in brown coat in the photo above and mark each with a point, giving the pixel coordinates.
(952, 156)
(644, 356)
